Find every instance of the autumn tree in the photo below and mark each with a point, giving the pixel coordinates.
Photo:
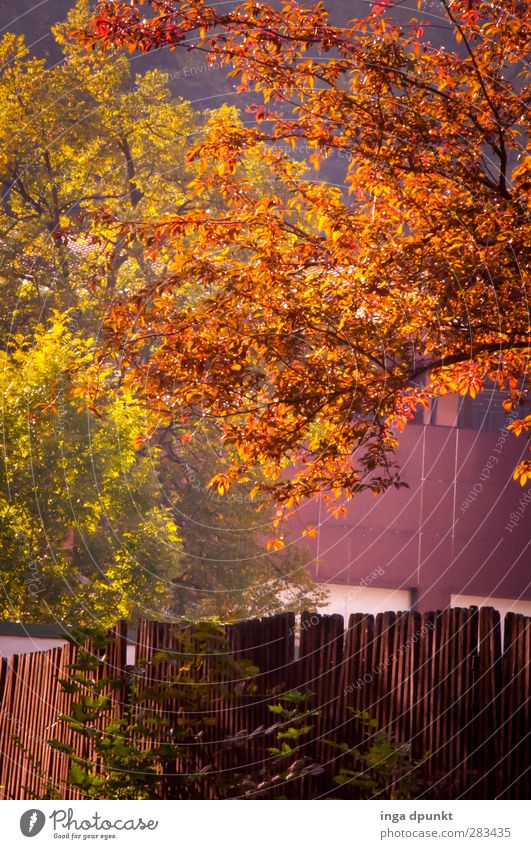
(330, 315)
(94, 521)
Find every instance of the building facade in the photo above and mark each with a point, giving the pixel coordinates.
(458, 535)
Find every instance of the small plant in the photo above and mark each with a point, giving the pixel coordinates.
(146, 751)
(50, 791)
(288, 761)
(380, 767)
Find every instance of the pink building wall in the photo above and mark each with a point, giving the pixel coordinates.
(462, 527)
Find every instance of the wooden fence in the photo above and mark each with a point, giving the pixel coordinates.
(453, 683)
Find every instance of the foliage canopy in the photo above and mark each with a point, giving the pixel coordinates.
(329, 316)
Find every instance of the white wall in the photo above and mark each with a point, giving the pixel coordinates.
(346, 599)
(24, 645)
(504, 605)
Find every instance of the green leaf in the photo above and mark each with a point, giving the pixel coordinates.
(68, 686)
(78, 777)
(60, 746)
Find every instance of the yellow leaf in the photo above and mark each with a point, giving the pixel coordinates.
(315, 161)
(221, 483)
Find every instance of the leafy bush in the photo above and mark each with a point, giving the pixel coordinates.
(380, 767)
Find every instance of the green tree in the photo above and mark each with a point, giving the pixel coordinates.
(227, 567)
(81, 532)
